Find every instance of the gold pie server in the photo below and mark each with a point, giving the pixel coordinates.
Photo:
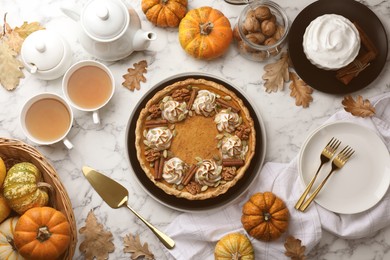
(115, 195)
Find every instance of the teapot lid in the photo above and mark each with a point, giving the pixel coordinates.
(42, 50)
(105, 20)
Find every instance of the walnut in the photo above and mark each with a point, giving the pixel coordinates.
(181, 95)
(251, 24)
(262, 13)
(193, 187)
(257, 38)
(152, 155)
(155, 111)
(243, 131)
(228, 173)
(268, 27)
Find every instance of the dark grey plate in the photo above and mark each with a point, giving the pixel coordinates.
(199, 205)
(326, 81)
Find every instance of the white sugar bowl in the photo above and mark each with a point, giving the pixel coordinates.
(46, 55)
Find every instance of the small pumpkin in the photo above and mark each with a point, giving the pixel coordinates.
(23, 189)
(205, 33)
(265, 216)
(3, 172)
(234, 246)
(42, 233)
(8, 250)
(5, 210)
(164, 13)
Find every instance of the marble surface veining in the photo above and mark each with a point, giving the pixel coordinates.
(103, 147)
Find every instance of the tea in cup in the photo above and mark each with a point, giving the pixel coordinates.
(46, 119)
(88, 86)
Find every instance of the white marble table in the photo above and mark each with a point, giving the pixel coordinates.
(104, 147)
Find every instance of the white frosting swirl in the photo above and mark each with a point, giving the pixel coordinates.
(173, 171)
(331, 41)
(231, 147)
(158, 138)
(174, 111)
(208, 173)
(204, 103)
(227, 120)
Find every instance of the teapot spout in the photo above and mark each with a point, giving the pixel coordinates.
(142, 40)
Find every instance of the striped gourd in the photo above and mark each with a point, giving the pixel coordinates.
(23, 189)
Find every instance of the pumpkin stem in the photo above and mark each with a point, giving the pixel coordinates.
(267, 216)
(44, 185)
(236, 256)
(43, 234)
(206, 28)
(11, 242)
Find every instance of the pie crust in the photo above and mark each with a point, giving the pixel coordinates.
(196, 141)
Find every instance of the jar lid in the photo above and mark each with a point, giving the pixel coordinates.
(105, 20)
(42, 50)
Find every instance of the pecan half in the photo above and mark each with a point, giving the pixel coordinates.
(228, 173)
(181, 95)
(151, 155)
(243, 131)
(193, 187)
(155, 111)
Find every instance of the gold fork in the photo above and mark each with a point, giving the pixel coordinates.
(337, 163)
(326, 154)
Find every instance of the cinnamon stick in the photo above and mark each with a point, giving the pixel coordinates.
(160, 168)
(232, 162)
(192, 98)
(225, 104)
(190, 174)
(156, 168)
(156, 123)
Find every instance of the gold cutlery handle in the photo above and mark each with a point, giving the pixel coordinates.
(166, 240)
(314, 195)
(308, 188)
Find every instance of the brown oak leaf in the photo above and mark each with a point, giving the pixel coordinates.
(133, 245)
(294, 248)
(28, 28)
(10, 67)
(359, 108)
(300, 91)
(97, 242)
(135, 76)
(276, 74)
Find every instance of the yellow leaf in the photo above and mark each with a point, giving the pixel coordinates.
(359, 108)
(276, 74)
(14, 41)
(10, 67)
(135, 76)
(27, 28)
(300, 91)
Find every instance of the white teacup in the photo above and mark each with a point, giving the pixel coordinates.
(47, 119)
(88, 86)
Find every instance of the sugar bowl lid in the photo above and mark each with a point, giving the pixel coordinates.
(104, 20)
(42, 50)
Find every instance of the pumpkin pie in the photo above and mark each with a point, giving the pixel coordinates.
(195, 139)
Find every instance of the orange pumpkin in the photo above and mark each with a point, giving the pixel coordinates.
(265, 216)
(234, 246)
(205, 33)
(42, 233)
(164, 13)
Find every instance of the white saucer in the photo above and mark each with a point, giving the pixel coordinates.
(363, 180)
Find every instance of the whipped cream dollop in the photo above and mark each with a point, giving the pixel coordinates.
(331, 41)
(204, 103)
(232, 147)
(227, 120)
(158, 138)
(174, 170)
(208, 173)
(174, 111)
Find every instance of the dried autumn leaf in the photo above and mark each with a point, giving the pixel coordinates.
(294, 248)
(10, 37)
(276, 74)
(10, 72)
(135, 76)
(98, 242)
(359, 108)
(28, 28)
(133, 245)
(300, 91)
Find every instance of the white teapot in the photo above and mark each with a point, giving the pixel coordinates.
(110, 30)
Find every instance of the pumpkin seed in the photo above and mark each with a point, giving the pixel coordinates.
(151, 164)
(227, 98)
(216, 157)
(161, 106)
(180, 187)
(146, 143)
(181, 117)
(204, 188)
(217, 183)
(244, 143)
(172, 126)
(219, 144)
(145, 132)
(165, 99)
(219, 136)
(222, 182)
(240, 120)
(199, 159)
(165, 153)
(149, 117)
(174, 133)
(190, 113)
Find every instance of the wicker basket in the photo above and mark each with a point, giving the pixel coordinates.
(13, 151)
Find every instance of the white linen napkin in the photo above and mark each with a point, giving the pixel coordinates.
(197, 233)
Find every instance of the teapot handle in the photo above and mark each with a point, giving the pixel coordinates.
(71, 11)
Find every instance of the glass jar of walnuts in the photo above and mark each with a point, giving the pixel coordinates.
(261, 30)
